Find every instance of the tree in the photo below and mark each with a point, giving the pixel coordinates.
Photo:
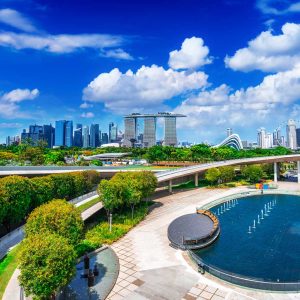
(57, 216)
(227, 173)
(253, 173)
(15, 200)
(112, 194)
(213, 175)
(47, 263)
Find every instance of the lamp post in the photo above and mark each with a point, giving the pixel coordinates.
(110, 221)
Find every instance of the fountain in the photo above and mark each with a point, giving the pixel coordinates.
(262, 214)
(254, 224)
(266, 210)
(218, 211)
(249, 231)
(229, 204)
(224, 207)
(221, 209)
(258, 220)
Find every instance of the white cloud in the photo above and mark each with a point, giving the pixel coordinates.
(193, 54)
(86, 105)
(270, 101)
(87, 115)
(117, 54)
(9, 107)
(62, 43)
(148, 88)
(269, 7)
(268, 52)
(14, 19)
(19, 95)
(10, 125)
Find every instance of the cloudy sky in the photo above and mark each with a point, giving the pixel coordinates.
(223, 63)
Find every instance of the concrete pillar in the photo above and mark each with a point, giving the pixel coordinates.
(275, 171)
(196, 179)
(298, 171)
(170, 186)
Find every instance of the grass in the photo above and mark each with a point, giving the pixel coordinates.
(7, 267)
(88, 204)
(191, 184)
(99, 233)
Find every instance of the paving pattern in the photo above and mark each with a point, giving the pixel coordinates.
(151, 269)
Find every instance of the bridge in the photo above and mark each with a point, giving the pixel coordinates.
(163, 177)
(170, 176)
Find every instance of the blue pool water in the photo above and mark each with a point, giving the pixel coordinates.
(271, 252)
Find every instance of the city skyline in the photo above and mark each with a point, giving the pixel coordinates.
(219, 74)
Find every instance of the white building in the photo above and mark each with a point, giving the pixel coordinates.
(291, 138)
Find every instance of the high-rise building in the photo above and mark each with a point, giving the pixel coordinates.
(49, 135)
(170, 131)
(104, 139)
(130, 131)
(34, 135)
(149, 137)
(229, 132)
(291, 134)
(12, 140)
(94, 135)
(86, 137)
(112, 132)
(261, 138)
(78, 136)
(60, 133)
(69, 133)
(298, 137)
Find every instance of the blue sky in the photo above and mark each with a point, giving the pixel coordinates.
(223, 63)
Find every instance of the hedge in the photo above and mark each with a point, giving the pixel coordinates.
(20, 195)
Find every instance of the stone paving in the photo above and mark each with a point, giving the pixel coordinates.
(151, 269)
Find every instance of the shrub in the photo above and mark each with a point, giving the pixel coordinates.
(212, 175)
(47, 263)
(64, 186)
(43, 190)
(81, 185)
(226, 173)
(15, 199)
(252, 173)
(57, 216)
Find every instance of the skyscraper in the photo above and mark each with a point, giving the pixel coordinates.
(86, 137)
(34, 135)
(291, 134)
(60, 133)
(94, 135)
(261, 138)
(149, 136)
(78, 136)
(170, 131)
(104, 139)
(112, 132)
(130, 131)
(298, 137)
(69, 133)
(229, 132)
(49, 135)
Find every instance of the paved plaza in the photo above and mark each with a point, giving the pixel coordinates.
(151, 269)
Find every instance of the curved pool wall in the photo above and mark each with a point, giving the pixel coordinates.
(243, 280)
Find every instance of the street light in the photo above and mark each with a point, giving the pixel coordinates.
(110, 221)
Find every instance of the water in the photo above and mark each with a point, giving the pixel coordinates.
(271, 251)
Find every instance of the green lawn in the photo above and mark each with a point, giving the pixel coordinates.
(191, 184)
(7, 267)
(88, 204)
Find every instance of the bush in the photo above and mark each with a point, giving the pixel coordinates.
(227, 173)
(47, 263)
(15, 199)
(43, 190)
(252, 173)
(64, 186)
(81, 185)
(212, 175)
(57, 216)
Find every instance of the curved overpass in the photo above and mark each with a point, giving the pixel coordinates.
(168, 176)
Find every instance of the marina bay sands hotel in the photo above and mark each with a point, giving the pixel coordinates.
(149, 137)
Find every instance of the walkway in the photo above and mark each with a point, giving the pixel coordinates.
(151, 269)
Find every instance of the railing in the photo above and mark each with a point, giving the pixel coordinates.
(83, 197)
(255, 283)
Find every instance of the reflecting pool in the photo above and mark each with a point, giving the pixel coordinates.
(260, 238)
